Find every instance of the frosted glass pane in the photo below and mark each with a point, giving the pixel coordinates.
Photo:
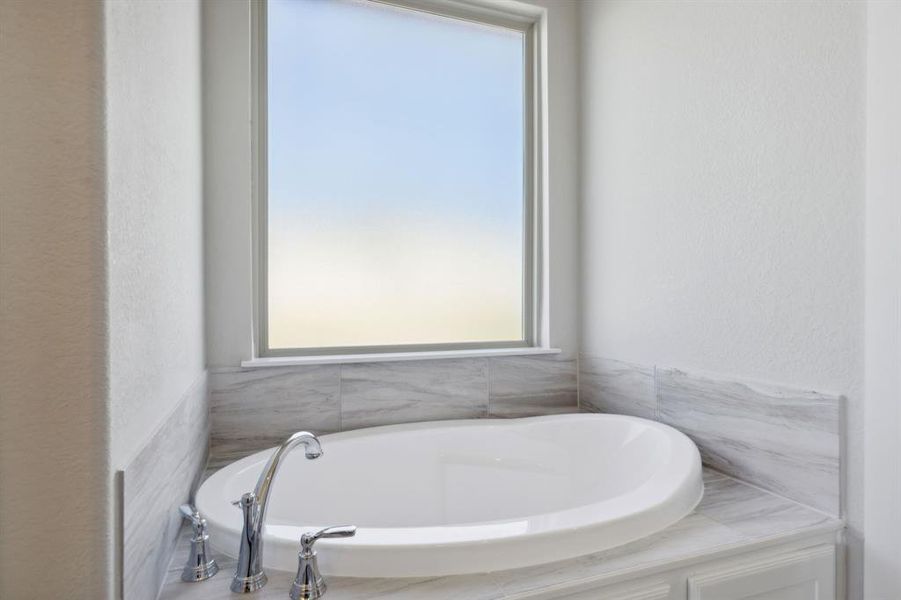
(395, 177)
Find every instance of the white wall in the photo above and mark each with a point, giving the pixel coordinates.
(100, 270)
(155, 214)
(562, 243)
(883, 303)
(227, 177)
(723, 186)
(55, 484)
(227, 109)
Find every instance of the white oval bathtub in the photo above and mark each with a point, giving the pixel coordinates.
(455, 497)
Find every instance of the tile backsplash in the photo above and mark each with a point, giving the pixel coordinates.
(258, 408)
(254, 409)
(784, 440)
(402, 392)
(780, 438)
(523, 387)
(163, 475)
(613, 386)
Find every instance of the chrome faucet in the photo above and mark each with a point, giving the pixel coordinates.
(308, 583)
(249, 575)
(201, 565)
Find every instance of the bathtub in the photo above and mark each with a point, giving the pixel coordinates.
(454, 497)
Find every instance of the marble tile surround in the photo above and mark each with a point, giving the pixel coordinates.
(256, 409)
(782, 439)
(252, 409)
(375, 394)
(524, 387)
(159, 478)
(779, 438)
(617, 387)
(731, 516)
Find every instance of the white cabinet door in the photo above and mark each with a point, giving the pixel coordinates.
(803, 575)
(656, 591)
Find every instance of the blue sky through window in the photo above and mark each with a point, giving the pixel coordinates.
(395, 177)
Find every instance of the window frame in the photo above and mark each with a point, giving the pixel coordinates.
(526, 19)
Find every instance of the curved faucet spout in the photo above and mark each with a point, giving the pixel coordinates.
(312, 449)
(249, 575)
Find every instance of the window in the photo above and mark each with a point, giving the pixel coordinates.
(396, 179)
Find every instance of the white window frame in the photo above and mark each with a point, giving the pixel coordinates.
(531, 22)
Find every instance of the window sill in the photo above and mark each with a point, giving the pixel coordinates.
(289, 361)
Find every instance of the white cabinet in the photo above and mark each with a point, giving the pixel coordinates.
(807, 574)
(800, 570)
(642, 591)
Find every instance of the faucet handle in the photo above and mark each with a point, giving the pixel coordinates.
(308, 539)
(308, 583)
(200, 564)
(190, 513)
(245, 500)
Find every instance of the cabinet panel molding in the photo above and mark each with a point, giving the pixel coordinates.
(807, 574)
(659, 591)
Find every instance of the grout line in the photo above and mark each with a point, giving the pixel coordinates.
(578, 381)
(488, 371)
(656, 395)
(340, 399)
(843, 480)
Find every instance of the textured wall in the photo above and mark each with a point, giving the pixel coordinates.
(155, 192)
(155, 258)
(722, 223)
(55, 479)
(883, 308)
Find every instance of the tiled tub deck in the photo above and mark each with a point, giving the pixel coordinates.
(732, 517)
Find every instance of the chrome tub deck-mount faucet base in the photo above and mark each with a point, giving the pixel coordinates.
(249, 574)
(200, 565)
(308, 583)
